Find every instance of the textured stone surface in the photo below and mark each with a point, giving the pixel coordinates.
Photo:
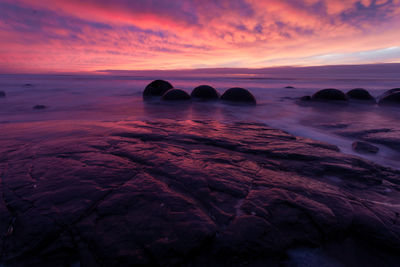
(188, 193)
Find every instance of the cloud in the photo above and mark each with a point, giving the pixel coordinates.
(64, 35)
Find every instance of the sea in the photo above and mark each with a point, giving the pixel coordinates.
(117, 96)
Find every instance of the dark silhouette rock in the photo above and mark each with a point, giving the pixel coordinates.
(389, 92)
(205, 92)
(360, 94)
(305, 98)
(2, 94)
(329, 94)
(157, 88)
(40, 107)
(28, 85)
(237, 94)
(176, 94)
(390, 97)
(289, 87)
(365, 147)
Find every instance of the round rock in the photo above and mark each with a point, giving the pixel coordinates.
(205, 92)
(365, 147)
(176, 94)
(2, 94)
(393, 98)
(157, 88)
(389, 92)
(237, 94)
(329, 94)
(359, 94)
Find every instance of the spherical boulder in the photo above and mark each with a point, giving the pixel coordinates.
(329, 94)
(390, 99)
(360, 94)
(389, 92)
(176, 94)
(2, 94)
(240, 95)
(205, 92)
(157, 88)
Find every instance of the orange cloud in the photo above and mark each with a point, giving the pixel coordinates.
(88, 35)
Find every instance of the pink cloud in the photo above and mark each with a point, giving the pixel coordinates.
(68, 35)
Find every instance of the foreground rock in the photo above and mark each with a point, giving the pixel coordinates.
(205, 92)
(389, 137)
(329, 94)
(193, 193)
(364, 147)
(176, 94)
(237, 94)
(157, 88)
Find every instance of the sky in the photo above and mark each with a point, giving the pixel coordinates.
(90, 35)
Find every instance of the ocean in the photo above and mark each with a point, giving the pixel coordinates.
(118, 97)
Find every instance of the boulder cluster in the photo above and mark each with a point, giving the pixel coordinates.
(167, 92)
(390, 97)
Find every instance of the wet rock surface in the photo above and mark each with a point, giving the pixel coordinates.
(188, 193)
(389, 137)
(364, 147)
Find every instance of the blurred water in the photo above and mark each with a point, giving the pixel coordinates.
(114, 98)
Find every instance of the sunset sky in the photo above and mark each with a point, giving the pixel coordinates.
(89, 35)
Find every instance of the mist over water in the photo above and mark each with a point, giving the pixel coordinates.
(115, 97)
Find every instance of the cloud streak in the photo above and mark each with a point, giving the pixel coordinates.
(61, 35)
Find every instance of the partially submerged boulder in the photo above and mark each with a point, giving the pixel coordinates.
(360, 94)
(157, 88)
(329, 94)
(205, 92)
(176, 94)
(391, 96)
(237, 94)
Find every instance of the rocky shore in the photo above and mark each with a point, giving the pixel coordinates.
(190, 193)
